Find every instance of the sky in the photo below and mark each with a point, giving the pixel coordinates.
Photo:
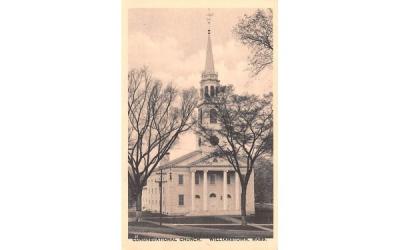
(172, 43)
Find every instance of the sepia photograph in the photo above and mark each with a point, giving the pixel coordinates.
(200, 123)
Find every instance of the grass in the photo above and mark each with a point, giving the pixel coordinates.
(262, 216)
(145, 224)
(145, 214)
(190, 220)
(204, 233)
(229, 227)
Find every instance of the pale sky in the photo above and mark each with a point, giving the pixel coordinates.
(172, 42)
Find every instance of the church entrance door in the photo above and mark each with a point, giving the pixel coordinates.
(212, 202)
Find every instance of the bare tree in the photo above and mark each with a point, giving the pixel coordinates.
(157, 116)
(245, 132)
(256, 32)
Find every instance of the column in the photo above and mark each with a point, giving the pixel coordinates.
(205, 192)
(193, 182)
(237, 194)
(224, 188)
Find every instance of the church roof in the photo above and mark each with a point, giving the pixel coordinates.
(182, 159)
(199, 159)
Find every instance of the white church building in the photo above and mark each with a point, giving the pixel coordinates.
(199, 183)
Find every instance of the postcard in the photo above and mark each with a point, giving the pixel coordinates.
(198, 138)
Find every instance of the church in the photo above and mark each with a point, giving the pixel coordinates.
(199, 183)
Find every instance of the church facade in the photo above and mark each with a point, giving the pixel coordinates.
(199, 183)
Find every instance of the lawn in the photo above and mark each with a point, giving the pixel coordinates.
(262, 216)
(228, 227)
(197, 232)
(189, 220)
(144, 224)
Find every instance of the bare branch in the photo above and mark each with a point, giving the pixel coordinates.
(157, 116)
(256, 32)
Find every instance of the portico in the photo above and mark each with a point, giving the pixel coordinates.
(212, 191)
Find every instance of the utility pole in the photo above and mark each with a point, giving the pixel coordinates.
(160, 185)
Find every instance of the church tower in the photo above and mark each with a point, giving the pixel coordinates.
(209, 88)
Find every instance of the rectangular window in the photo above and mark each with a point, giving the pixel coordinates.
(180, 179)
(213, 116)
(197, 179)
(228, 180)
(181, 200)
(212, 178)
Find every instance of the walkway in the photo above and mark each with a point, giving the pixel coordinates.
(237, 221)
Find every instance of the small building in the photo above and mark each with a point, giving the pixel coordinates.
(199, 183)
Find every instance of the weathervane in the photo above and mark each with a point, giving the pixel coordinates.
(209, 15)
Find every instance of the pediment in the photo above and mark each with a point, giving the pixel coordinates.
(212, 160)
(200, 159)
(184, 160)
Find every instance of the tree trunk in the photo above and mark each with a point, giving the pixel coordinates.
(138, 216)
(243, 205)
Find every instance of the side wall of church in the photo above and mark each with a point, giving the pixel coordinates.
(174, 189)
(151, 195)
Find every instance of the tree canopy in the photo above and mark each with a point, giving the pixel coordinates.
(256, 32)
(157, 115)
(245, 129)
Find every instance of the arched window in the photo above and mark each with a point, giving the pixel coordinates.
(206, 92)
(216, 90)
(199, 142)
(212, 195)
(212, 91)
(213, 116)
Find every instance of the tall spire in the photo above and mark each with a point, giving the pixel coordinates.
(209, 67)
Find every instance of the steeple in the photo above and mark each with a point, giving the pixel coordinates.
(209, 68)
(209, 71)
